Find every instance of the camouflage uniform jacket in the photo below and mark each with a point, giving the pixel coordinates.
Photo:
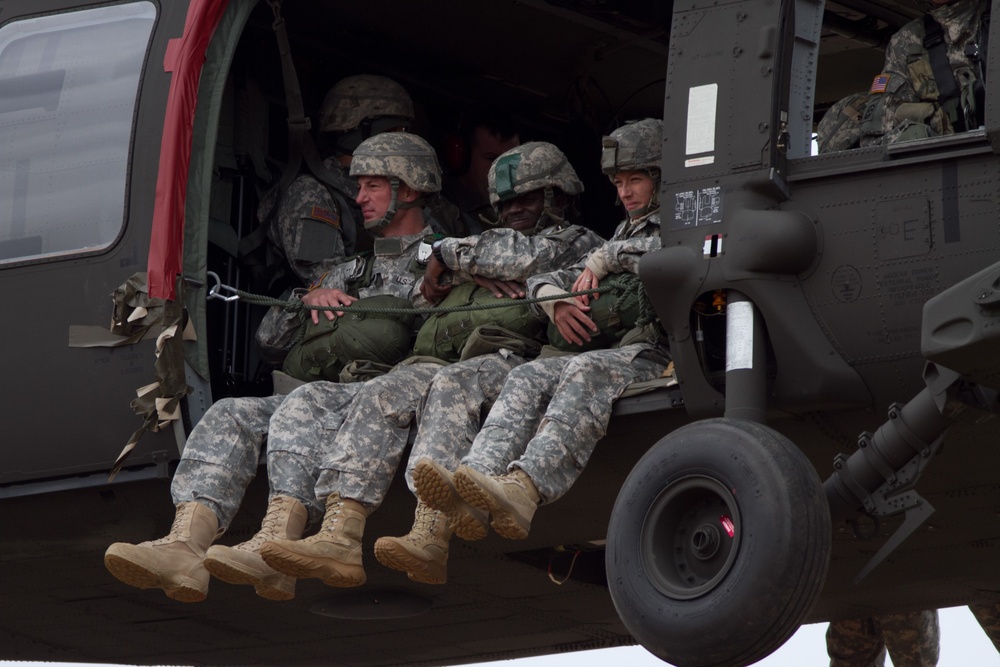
(621, 254)
(392, 274)
(910, 94)
(507, 254)
(308, 226)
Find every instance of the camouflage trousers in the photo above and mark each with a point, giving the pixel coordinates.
(552, 412)
(454, 407)
(360, 459)
(222, 454)
(912, 640)
(988, 615)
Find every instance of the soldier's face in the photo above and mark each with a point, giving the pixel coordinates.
(635, 189)
(374, 196)
(522, 212)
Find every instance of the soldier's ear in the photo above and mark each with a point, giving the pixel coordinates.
(406, 194)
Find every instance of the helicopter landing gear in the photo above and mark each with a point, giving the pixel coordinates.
(718, 544)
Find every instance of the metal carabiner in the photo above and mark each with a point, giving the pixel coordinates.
(214, 290)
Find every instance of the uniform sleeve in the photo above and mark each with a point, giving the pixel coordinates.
(277, 330)
(622, 256)
(506, 254)
(309, 230)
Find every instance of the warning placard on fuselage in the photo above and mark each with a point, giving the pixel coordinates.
(696, 208)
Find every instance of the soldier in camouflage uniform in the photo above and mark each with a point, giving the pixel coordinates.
(532, 198)
(552, 411)
(908, 102)
(840, 128)
(912, 640)
(395, 171)
(315, 226)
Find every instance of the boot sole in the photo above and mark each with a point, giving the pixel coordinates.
(138, 576)
(233, 573)
(396, 557)
(502, 520)
(435, 491)
(305, 567)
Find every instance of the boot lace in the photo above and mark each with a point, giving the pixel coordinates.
(268, 529)
(181, 518)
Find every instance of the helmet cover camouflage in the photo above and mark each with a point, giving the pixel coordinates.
(635, 146)
(532, 166)
(360, 97)
(402, 155)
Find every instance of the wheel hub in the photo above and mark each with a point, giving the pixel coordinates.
(690, 536)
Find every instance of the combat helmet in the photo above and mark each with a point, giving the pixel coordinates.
(536, 165)
(399, 156)
(635, 146)
(361, 106)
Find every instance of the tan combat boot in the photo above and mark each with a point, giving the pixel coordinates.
(510, 499)
(435, 485)
(285, 519)
(173, 563)
(423, 552)
(332, 555)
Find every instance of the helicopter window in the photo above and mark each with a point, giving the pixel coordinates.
(68, 92)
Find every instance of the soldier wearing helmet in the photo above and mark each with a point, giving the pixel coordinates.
(531, 187)
(316, 224)
(552, 411)
(221, 455)
(537, 185)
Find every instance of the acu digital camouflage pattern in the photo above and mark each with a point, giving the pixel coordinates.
(401, 154)
(309, 226)
(911, 92)
(221, 455)
(634, 146)
(912, 639)
(840, 128)
(392, 273)
(364, 96)
(551, 412)
(360, 461)
(536, 165)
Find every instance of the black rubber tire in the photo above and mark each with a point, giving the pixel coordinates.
(689, 592)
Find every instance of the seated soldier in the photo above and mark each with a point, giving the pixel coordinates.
(932, 81)
(316, 224)
(395, 171)
(551, 412)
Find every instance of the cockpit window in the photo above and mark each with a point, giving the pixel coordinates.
(68, 92)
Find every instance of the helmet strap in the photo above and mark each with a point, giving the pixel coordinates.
(374, 227)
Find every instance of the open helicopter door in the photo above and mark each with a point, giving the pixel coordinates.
(86, 110)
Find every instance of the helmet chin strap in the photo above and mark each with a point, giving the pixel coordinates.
(552, 215)
(376, 226)
(654, 201)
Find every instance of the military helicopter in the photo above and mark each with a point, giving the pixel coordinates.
(829, 318)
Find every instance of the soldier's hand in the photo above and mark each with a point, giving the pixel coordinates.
(573, 322)
(433, 287)
(501, 288)
(327, 297)
(586, 280)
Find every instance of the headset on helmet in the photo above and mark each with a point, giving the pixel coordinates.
(399, 156)
(361, 106)
(536, 165)
(635, 146)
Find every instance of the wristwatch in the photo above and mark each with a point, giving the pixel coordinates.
(436, 251)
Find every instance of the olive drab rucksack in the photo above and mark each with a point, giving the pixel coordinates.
(622, 307)
(323, 350)
(444, 335)
(326, 348)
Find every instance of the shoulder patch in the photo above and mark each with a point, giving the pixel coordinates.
(325, 215)
(879, 84)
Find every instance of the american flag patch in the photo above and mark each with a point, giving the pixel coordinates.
(325, 215)
(879, 83)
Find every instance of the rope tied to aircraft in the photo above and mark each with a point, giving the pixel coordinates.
(295, 305)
